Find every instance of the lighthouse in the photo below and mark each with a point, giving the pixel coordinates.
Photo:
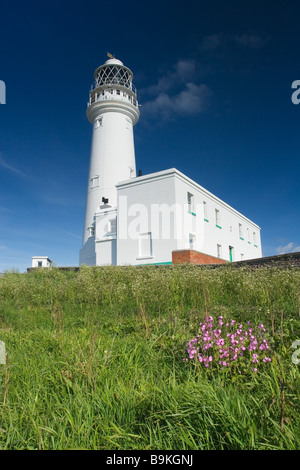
(113, 111)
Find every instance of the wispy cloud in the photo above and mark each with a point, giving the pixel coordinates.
(8, 166)
(183, 71)
(251, 41)
(70, 233)
(177, 93)
(291, 247)
(212, 42)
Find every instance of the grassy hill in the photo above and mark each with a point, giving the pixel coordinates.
(95, 359)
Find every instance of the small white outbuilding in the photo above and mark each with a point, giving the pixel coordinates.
(41, 262)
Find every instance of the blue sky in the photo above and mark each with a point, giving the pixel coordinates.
(214, 81)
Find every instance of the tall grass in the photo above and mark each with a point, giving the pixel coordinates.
(95, 360)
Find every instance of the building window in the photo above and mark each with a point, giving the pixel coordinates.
(95, 182)
(241, 231)
(242, 256)
(190, 202)
(98, 122)
(192, 240)
(219, 251)
(254, 238)
(39, 264)
(118, 92)
(248, 235)
(205, 210)
(91, 230)
(218, 218)
(145, 245)
(112, 225)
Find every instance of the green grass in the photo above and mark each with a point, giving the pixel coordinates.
(95, 360)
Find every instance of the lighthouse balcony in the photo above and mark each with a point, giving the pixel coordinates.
(112, 94)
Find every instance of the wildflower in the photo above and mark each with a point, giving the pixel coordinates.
(230, 345)
(254, 358)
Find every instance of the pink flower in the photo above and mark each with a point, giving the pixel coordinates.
(266, 359)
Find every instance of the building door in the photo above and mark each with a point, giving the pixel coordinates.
(231, 253)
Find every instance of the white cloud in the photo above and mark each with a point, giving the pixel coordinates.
(176, 93)
(192, 100)
(183, 71)
(291, 247)
(212, 42)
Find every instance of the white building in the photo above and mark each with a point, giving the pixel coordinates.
(136, 220)
(41, 262)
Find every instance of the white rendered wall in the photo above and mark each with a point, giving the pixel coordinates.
(112, 160)
(44, 260)
(148, 192)
(106, 236)
(211, 234)
(169, 188)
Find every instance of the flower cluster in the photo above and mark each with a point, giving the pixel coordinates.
(229, 342)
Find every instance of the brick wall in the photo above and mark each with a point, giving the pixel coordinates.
(194, 257)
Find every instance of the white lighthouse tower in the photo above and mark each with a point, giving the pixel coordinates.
(113, 111)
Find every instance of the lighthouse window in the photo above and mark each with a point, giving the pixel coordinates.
(118, 92)
(91, 230)
(95, 182)
(98, 122)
